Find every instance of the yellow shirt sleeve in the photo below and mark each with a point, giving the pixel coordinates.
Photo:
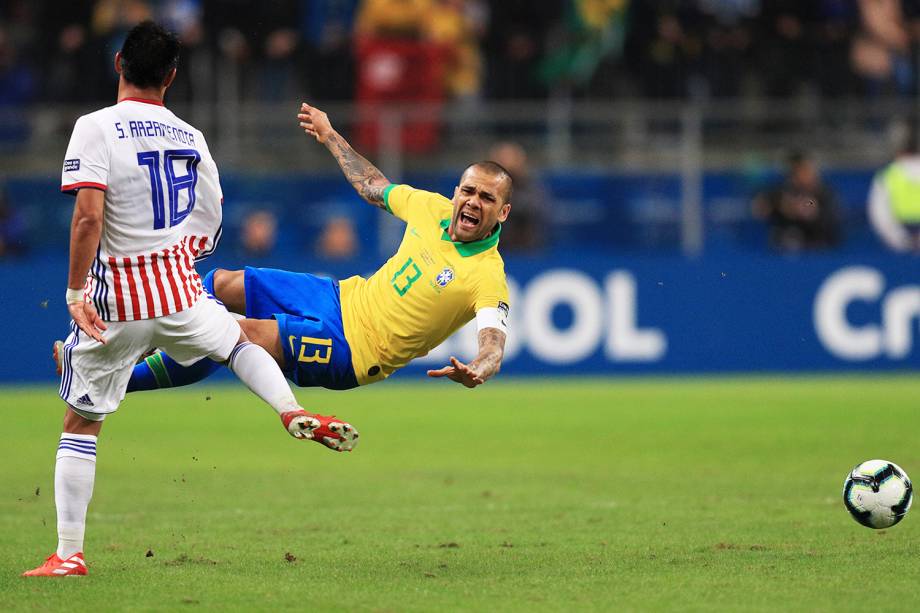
(403, 200)
(493, 290)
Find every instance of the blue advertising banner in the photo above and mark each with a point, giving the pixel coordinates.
(603, 315)
(671, 315)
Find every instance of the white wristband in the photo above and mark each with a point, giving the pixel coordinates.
(74, 296)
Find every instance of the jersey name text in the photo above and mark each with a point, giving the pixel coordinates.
(154, 128)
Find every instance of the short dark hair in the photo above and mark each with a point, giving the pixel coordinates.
(497, 170)
(148, 55)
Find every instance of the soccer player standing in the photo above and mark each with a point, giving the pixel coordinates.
(148, 204)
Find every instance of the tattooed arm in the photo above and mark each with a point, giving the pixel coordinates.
(485, 366)
(491, 350)
(366, 178)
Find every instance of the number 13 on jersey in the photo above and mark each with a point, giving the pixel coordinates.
(322, 349)
(405, 277)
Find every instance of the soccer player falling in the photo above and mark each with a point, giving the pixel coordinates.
(446, 271)
(148, 204)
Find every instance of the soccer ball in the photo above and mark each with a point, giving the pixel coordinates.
(877, 493)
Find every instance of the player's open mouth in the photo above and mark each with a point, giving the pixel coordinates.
(468, 220)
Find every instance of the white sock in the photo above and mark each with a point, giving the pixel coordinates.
(74, 474)
(259, 371)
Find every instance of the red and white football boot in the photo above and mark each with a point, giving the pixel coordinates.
(54, 566)
(326, 430)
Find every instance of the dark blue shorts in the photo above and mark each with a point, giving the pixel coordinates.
(309, 317)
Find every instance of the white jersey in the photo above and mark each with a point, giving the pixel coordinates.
(162, 207)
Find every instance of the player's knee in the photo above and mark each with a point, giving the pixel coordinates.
(74, 423)
(264, 332)
(255, 331)
(230, 288)
(222, 281)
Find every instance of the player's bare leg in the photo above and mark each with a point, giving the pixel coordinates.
(74, 476)
(230, 288)
(264, 333)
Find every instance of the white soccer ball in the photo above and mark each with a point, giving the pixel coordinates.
(877, 493)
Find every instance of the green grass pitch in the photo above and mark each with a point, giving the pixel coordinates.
(656, 494)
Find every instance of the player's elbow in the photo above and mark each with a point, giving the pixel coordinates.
(89, 222)
(373, 190)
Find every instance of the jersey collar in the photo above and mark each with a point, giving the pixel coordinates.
(474, 247)
(144, 100)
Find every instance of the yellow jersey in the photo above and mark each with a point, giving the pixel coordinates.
(424, 293)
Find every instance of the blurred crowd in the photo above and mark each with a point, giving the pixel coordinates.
(799, 212)
(469, 49)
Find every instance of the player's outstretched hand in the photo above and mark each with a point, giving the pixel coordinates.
(314, 122)
(459, 372)
(87, 319)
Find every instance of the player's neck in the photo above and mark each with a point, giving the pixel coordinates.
(128, 91)
(453, 235)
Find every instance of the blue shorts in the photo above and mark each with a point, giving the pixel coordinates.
(309, 317)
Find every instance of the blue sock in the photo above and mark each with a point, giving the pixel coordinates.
(160, 371)
(207, 282)
(142, 378)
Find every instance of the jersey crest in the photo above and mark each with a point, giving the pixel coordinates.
(445, 277)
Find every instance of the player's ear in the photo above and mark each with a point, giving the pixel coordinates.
(504, 212)
(170, 78)
(118, 62)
